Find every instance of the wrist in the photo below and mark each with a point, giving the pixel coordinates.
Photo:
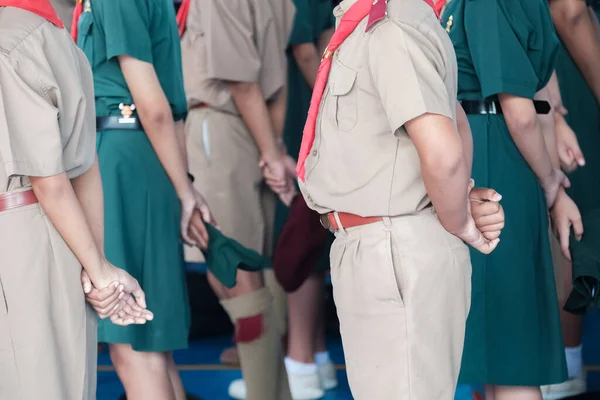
(272, 156)
(98, 272)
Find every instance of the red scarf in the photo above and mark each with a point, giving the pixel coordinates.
(43, 8)
(359, 10)
(75, 23)
(438, 6)
(182, 15)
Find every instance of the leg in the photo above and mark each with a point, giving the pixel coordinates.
(175, 378)
(327, 372)
(144, 375)
(516, 393)
(402, 340)
(250, 307)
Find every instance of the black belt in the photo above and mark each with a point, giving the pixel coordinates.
(493, 106)
(118, 124)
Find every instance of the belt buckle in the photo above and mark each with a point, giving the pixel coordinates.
(127, 113)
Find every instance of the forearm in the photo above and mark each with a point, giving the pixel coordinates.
(553, 96)
(324, 40)
(180, 135)
(57, 198)
(250, 103)
(88, 190)
(594, 18)
(548, 129)
(577, 31)
(443, 168)
(466, 136)
(277, 110)
(307, 58)
(526, 131)
(162, 135)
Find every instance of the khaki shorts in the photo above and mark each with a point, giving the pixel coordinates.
(223, 158)
(402, 289)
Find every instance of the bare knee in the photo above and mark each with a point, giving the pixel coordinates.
(124, 357)
(247, 282)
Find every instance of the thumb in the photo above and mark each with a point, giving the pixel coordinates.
(485, 195)
(578, 156)
(86, 282)
(140, 296)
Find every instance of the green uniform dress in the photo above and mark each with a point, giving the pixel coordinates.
(513, 332)
(584, 119)
(142, 211)
(313, 17)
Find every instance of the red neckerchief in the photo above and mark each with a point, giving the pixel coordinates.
(357, 12)
(182, 15)
(43, 8)
(439, 5)
(75, 23)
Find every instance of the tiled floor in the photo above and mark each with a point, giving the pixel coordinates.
(204, 376)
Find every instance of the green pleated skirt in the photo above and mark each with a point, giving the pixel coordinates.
(142, 236)
(513, 334)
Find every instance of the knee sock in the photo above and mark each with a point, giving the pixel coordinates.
(259, 345)
(574, 361)
(279, 300)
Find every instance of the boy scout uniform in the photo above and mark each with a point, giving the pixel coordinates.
(401, 281)
(513, 335)
(238, 41)
(47, 333)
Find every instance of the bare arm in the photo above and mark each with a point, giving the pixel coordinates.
(464, 130)
(249, 100)
(554, 97)
(578, 32)
(444, 168)
(548, 129)
(58, 200)
(307, 58)
(180, 135)
(156, 116)
(324, 41)
(526, 131)
(88, 190)
(277, 110)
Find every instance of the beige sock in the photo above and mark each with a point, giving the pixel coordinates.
(261, 354)
(279, 300)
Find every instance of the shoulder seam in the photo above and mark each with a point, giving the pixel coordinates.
(23, 39)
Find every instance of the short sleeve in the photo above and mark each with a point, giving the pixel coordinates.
(498, 47)
(303, 27)
(406, 75)
(231, 53)
(30, 140)
(126, 28)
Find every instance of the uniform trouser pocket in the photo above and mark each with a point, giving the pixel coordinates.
(402, 311)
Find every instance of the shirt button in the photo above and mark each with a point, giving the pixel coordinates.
(315, 152)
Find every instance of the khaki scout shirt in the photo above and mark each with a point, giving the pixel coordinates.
(238, 41)
(47, 113)
(362, 160)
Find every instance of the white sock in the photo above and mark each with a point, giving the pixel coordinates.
(322, 358)
(297, 368)
(574, 361)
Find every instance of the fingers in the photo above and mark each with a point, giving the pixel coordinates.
(567, 160)
(482, 209)
(484, 194)
(577, 228)
(492, 235)
(185, 224)
(566, 183)
(140, 296)
(487, 247)
(198, 230)
(86, 283)
(103, 297)
(563, 236)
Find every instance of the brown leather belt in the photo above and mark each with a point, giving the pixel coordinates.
(12, 200)
(347, 220)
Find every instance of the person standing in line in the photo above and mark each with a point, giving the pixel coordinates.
(234, 69)
(133, 48)
(579, 79)
(385, 159)
(309, 368)
(506, 54)
(50, 201)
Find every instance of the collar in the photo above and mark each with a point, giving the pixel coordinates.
(43, 8)
(344, 6)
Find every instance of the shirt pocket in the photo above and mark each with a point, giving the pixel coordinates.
(344, 97)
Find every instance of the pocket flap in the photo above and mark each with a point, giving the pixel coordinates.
(343, 80)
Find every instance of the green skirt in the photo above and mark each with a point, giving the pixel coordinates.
(584, 119)
(513, 334)
(142, 236)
